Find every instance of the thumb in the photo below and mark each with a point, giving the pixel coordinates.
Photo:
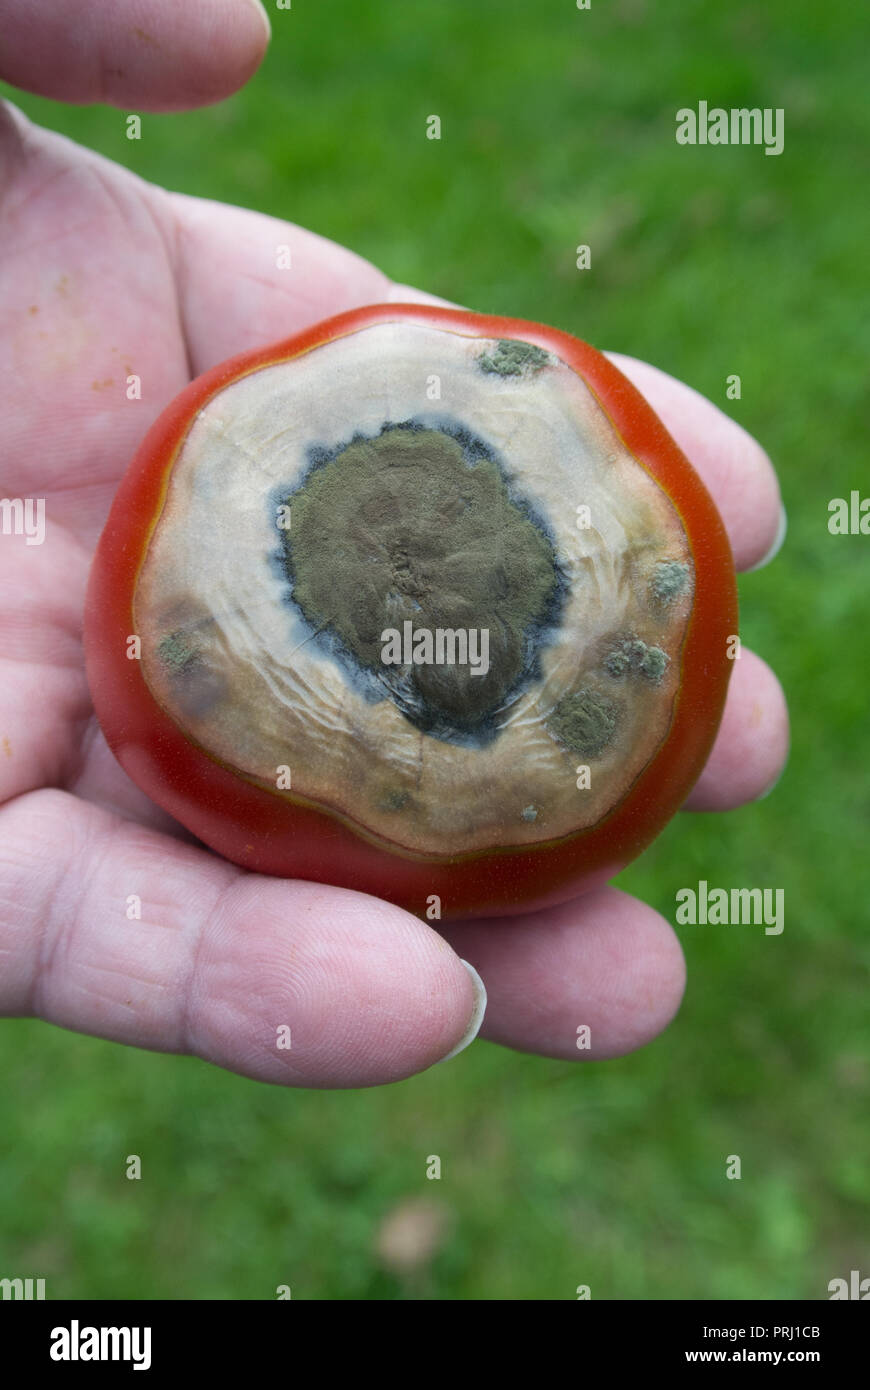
(112, 929)
(150, 55)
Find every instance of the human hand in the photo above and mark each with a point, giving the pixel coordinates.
(108, 277)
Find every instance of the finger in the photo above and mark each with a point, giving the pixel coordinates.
(751, 746)
(735, 469)
(220, 961)
(246, 279)
(146, 55)
(604, 961)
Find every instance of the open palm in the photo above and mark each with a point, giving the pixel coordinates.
(106, 277)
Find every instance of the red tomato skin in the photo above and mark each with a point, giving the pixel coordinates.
(268, 832)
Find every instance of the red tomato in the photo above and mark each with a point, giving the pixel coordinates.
(418, 602)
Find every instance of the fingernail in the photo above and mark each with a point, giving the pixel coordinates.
(773, 786)
(477, 1013)
(778, 539)
(264, 15)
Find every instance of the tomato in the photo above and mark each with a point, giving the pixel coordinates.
(418, 602)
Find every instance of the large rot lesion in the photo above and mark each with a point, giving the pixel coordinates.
(403, 522)
(416, 533)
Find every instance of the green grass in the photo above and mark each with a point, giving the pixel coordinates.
(558, 128)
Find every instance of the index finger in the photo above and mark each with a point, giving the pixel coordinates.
(737, 472)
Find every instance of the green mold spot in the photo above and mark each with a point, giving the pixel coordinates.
(669, 580)
(513, 358)
(632, 657)
(585, 722)
(177, 652)
(654, 664)
(394, 800)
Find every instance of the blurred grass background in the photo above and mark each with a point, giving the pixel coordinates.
(558, 128)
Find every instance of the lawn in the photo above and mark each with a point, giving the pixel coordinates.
(557, 129)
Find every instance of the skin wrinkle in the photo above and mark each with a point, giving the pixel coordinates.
(52, 936)
(37, 191)
(91, 732)
(12, 152)
(155, 204)
(105, 77)
(62, 927)
(190, 994)
(167, 224)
